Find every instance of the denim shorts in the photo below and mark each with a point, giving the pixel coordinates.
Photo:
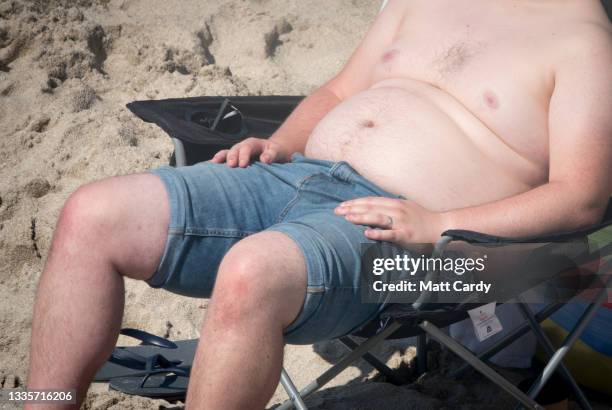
(213, 206)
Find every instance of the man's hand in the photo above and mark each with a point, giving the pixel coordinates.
(242, 153)
(400, 221)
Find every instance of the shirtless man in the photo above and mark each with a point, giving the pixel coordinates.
(486, 115)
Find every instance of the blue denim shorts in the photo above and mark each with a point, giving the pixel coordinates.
(213, 206)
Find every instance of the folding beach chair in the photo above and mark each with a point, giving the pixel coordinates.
(201, 126)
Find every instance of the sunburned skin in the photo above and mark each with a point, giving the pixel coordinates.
(456, 113)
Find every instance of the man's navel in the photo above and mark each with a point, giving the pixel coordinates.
(368, 124)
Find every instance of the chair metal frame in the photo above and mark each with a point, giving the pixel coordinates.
(527, 400)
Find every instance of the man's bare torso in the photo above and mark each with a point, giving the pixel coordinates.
(457, 111)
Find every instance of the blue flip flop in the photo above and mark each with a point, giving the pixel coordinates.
(159, 379)
(132, 360)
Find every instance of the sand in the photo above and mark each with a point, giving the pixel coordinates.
(67, 69)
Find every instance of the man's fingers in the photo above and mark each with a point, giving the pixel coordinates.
(371, 219)
(268, 155)
(370, 204)
(387, 235)
(220, 156)
(373, 201)
(352, 209)
(232, 156)
(244, 155)
(367, 209)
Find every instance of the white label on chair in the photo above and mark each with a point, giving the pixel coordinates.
(486, 324)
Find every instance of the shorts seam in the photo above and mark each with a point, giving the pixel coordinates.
(174, 186)
(218, 232)
(316, 289)
(347, 179)
(295, 198)
(299, 321)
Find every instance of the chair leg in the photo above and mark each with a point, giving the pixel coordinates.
(550, 350)
(294, 394)
(180, 157)
(343, 364)
(390, 374)
(571, 338)
(421, 357)
(486, 371)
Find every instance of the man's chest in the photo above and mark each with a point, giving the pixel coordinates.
(497, 69)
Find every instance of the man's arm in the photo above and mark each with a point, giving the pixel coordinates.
(294, 132)
(354, 77)
(580, 147)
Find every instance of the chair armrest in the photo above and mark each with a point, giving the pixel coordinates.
(483, 238)
(190, 119)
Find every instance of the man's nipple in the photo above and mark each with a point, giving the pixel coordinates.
(390, 55)
(491, 99)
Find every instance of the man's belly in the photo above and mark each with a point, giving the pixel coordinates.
(415, 140)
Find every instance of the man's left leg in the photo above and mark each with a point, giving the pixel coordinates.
(259, 291)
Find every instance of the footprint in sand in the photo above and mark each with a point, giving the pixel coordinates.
(9, 381)
(273, 39)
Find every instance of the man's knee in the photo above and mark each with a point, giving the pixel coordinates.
(125, 219)
(260, 280)
(86, 213)
(244, 279)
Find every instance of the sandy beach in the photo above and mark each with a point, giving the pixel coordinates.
(67, 69)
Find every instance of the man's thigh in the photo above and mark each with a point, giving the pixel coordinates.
(212, 207)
